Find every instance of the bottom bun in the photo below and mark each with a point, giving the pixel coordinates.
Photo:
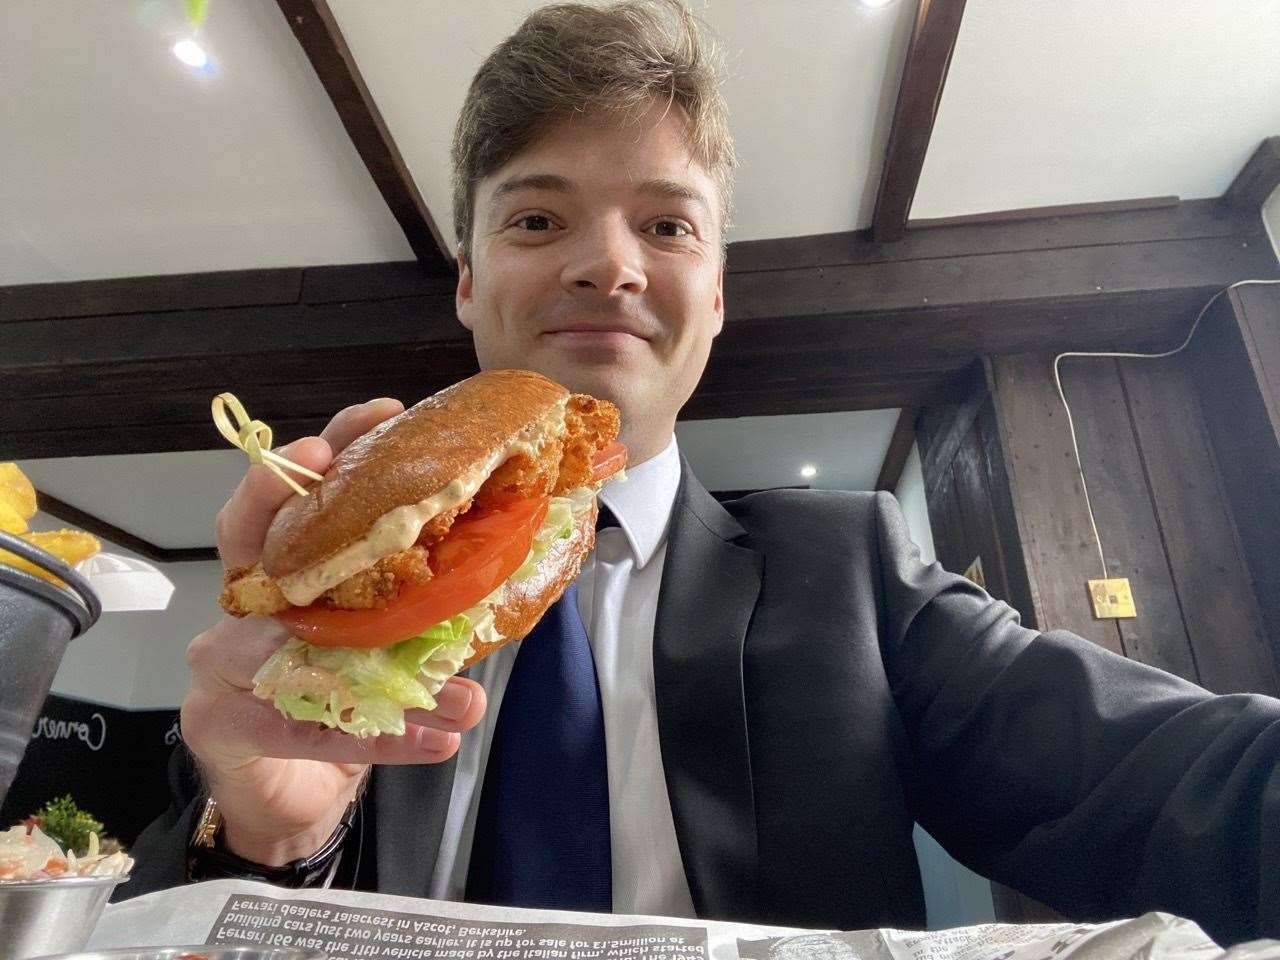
(524, 603)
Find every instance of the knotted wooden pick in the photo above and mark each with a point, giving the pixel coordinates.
(254, 438)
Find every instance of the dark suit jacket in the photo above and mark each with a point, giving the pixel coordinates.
(819, 689)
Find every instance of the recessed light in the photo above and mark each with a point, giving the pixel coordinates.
(808, 471)
(873, 4)
(191, 53)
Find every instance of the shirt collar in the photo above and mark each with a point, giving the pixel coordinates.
(643, 502)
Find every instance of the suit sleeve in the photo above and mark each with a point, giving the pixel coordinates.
(160, 852)
(1094, 783)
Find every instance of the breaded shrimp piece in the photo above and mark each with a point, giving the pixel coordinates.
(250, 591)
(589, 427)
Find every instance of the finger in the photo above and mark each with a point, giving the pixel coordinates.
(356, 421)
(273, 735)
(228, 654)
(460, 706)
(241, 525)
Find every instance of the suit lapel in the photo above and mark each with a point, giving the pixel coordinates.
(708, 595)
(411, 803)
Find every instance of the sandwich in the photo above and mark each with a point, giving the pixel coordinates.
(432, 541)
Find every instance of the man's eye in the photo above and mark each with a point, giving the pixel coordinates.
(666, 226)
(537, 222)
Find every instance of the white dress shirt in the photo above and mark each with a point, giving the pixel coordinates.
(618, 600)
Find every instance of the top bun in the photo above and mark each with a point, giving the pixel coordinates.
(407, 459)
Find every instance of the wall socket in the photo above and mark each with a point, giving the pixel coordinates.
(1112, 599)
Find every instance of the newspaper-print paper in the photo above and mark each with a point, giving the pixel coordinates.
(350, 925)
(366, 933)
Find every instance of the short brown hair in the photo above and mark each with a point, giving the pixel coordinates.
(574, 58)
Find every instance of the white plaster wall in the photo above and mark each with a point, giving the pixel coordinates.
(136, 660)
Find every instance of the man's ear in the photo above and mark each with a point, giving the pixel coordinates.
(719, 303)
(463, 299)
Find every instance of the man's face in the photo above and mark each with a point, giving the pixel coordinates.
(597, 263)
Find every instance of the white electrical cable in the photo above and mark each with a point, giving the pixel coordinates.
(1057, 379)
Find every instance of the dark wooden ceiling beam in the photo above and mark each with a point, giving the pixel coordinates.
(313, 23)
(73, 515)
(900, 444)
(933, 39)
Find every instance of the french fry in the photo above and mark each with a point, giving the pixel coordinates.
(17, 506)
(17, 492)
(11, 521)
(69, 546)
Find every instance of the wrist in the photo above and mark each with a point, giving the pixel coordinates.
(276, 851)
(209, 856)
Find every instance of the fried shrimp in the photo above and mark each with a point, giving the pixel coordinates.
(251, 591)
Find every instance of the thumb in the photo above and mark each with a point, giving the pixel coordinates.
(241, 525)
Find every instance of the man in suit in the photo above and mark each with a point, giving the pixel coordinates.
(785, 688)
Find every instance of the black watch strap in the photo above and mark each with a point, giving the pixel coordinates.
(208, 859)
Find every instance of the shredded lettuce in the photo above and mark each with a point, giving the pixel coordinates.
(557, 526)
(365, 692)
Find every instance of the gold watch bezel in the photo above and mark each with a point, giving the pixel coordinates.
(208, 824)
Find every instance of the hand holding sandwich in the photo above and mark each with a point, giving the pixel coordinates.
(282, 785)
(435, 538)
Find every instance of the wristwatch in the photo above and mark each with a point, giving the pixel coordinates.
(209, 859)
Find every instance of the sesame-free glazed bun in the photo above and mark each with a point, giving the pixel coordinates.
(406, 459)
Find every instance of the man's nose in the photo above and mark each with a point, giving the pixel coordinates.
(606, 258)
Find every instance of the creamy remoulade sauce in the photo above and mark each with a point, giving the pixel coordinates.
(398, 529)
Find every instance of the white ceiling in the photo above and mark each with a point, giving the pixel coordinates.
(118, 161)
(170, 499)
(1091, 100)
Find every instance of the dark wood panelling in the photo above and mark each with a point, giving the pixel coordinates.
(1259, 177)
(316, 29)
(1044, 481)
(1222, 616)
(1126, 516)
(933, 37)
(942, 430)
(1237, 393)
(968, 496)
(944, 520)
(978, 522)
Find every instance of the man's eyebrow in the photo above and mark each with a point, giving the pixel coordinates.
(554, 183)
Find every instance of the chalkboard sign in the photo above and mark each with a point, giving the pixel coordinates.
(112, 762)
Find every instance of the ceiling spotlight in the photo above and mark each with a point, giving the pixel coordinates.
(873, 4)
(808, 471)
(191, 53)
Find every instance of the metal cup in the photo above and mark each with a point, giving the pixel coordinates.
(37, 620)
(40, 917)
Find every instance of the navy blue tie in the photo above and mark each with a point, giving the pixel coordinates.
(542, 830)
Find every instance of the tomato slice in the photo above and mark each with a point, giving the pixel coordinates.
(480, 551)
(608, 461)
